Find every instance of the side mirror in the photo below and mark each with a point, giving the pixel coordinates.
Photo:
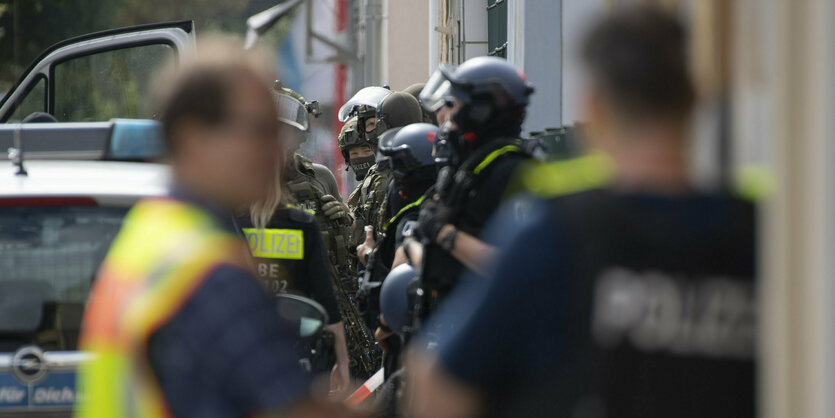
(306, 316)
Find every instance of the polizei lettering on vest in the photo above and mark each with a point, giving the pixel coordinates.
(276, 243)
(654, 311)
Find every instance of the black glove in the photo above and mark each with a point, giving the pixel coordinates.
(433, 217)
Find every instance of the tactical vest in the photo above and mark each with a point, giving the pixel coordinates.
(661, 315)
(380, 263)
(368, 203)
(441, 270)
(307, 192)
(163, 253)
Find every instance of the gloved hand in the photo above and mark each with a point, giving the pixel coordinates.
(433, 217)
(334, 209)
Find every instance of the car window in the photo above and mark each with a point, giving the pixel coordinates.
(50, 255)
(32, 102)
(107, 84)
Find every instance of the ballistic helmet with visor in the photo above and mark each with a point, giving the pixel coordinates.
(368, 97)
(492, 94)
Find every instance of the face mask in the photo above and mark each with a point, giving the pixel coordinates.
(361, 165)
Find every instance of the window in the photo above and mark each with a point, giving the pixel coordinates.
(33, 101)
(49, 257)
(109, 84)
(497, 28)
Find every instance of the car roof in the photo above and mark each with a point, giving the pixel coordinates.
(104, 181)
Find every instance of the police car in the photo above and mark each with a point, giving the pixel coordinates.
(57, 220)
(64, 191)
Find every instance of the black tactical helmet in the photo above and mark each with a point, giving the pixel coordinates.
(409, 150)
(364, 106)
(414, 90)
(365, 101)
(396, 297)
(396, 110)
(493, 96)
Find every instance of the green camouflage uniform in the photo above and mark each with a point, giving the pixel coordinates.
(368, 203)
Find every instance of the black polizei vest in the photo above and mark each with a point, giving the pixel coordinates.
(278, 251)
(662, 316)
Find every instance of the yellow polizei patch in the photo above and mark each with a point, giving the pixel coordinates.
(276, 243)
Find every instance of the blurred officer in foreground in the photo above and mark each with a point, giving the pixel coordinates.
(634, 299)
(176, 320)
(483, 102)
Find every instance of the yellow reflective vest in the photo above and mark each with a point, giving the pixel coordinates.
(163, 253)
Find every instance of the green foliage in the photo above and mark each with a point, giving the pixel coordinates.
(27, 27)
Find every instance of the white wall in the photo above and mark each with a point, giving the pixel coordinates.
(577, 16)
(534, 46)
(406, 50)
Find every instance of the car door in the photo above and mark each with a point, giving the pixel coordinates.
(98, 76)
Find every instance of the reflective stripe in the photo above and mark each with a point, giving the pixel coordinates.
(751, 182)
(567, 177)
(754, 182)
(276, 243)
(402, 211)
(493, 155)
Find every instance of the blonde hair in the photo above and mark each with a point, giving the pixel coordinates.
(275, 197)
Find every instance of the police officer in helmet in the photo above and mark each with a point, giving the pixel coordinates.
(356, 151)
(483, 105)
(370, 201)
(293, 112)
(408, 151)
(626, 293)
(359, 115)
